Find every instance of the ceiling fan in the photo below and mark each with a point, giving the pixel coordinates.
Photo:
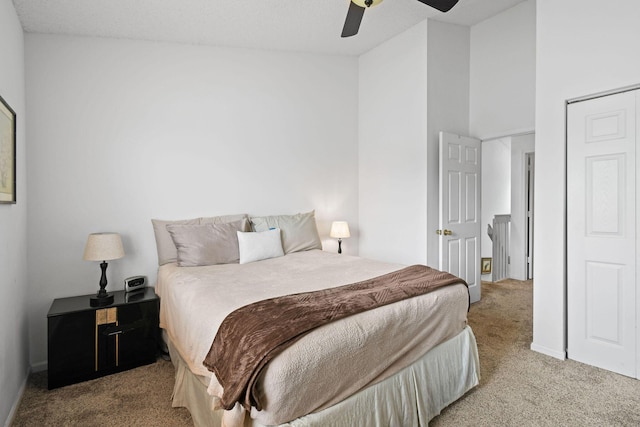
(357, 8)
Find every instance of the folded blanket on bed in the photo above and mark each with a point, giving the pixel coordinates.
(251, 336)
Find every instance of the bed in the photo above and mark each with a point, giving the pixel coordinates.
(398, 364)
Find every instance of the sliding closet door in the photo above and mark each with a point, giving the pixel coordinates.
(601, 232)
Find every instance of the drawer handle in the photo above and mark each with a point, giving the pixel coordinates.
(123, 329)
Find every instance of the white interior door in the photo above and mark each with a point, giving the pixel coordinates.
(459, 230)
(601, 232)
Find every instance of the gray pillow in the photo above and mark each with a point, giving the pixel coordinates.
(164, 243)
(206, 244)
(299, 231)
(223, 219)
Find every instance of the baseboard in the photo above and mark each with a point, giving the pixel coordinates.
(16, 404)
(40, 366)
(548, 351)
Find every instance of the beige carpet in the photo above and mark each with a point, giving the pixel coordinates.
(139, 397)
(518, 388)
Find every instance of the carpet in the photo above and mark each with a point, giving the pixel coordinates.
(518, 387)
(138, 397)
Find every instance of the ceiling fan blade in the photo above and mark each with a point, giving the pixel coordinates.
(352, 23)
(441, 5)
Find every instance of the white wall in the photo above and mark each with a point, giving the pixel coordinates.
(14, 349)
(503, 55)
(393, 148)
(502, 103)
(582, 48)
(520, 146)
(448, 107)
(411, 87)
(125, 131)
(496, 188)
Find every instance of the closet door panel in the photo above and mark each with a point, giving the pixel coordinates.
(601, 233)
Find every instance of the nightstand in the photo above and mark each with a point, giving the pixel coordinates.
(89, 342)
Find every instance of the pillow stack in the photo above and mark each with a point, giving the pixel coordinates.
(299, 232)
(167, 248)
(206, 244)
(229, 239)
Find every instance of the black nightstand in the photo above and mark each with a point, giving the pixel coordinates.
(89, 342)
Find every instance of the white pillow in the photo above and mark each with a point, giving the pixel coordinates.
(258, 245)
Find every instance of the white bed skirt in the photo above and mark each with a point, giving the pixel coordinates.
(413, 396)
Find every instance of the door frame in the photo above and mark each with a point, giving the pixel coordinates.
(530, 171)
(527, 240)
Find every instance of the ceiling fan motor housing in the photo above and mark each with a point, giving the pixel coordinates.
(366, 3)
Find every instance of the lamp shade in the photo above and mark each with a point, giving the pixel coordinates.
(103, 247)
(340, 230)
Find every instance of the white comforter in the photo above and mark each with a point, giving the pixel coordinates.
(330, 363)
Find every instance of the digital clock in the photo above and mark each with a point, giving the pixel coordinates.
(134, 283)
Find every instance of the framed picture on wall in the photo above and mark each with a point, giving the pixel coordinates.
(7, 153)
(485, 265)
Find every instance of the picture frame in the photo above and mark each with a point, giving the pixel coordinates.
(485, 265)
(7, 153)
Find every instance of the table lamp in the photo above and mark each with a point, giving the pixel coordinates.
(340, 230)
(103, 247)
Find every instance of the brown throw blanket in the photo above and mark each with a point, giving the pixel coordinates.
(252, 335)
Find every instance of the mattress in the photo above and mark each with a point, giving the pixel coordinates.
(329, 364)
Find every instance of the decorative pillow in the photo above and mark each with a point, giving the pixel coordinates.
(164, 243)
(260, 245)
(206, 244)
(299, 232)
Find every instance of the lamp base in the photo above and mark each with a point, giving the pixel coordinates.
(102, 298)
(101, 301)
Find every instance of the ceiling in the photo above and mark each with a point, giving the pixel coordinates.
(293, 25)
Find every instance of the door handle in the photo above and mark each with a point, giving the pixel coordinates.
(445, 232)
